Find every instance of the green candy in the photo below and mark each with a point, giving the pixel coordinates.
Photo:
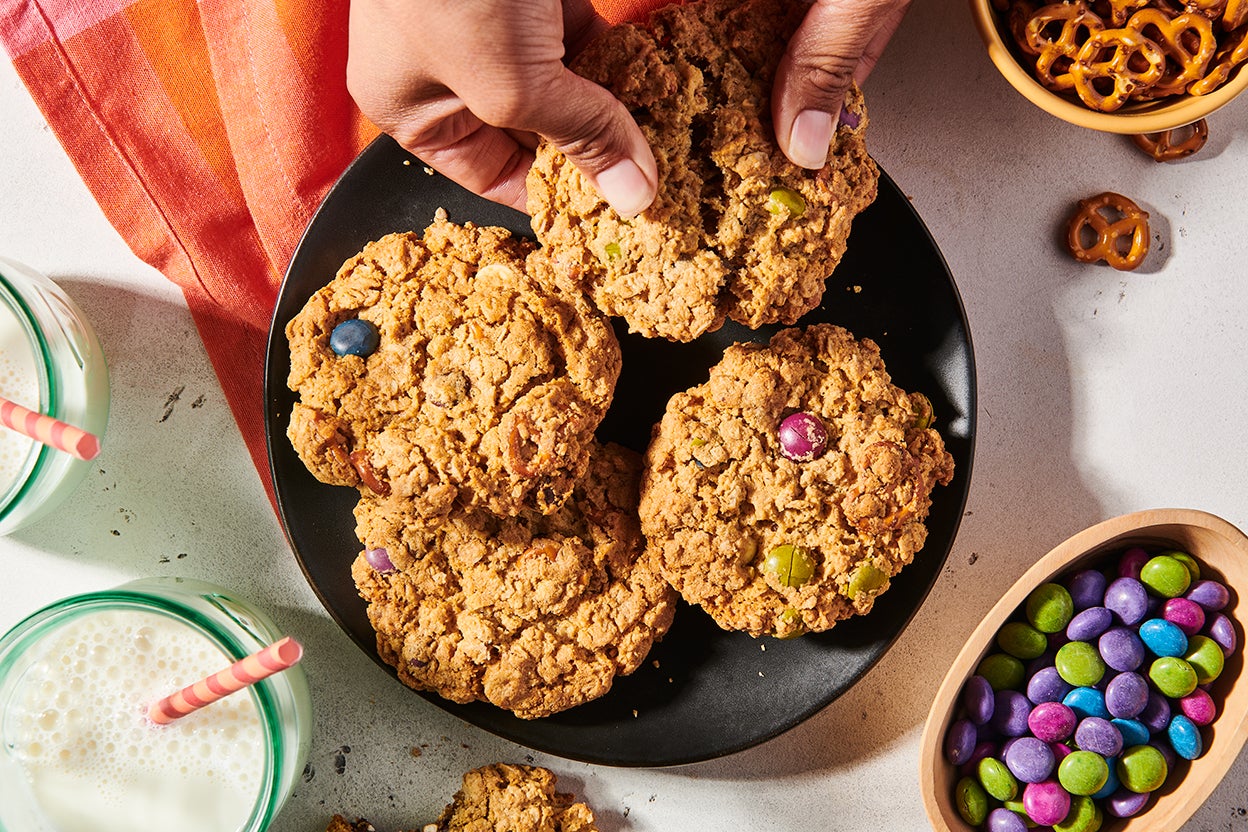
(1079, 663)
(1193, 565)
(792, 566)
(1205, 657)
(971, 800)
(997, 779)
(1082, 772)
(1050, 608)
(1003, 671)
(1017, 807)
(1173, 676)
(1142, 768)
(784, 201)
(1022, 640)
(1166, 576)
(1084, 816)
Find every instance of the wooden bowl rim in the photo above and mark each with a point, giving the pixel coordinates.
(1137, 528)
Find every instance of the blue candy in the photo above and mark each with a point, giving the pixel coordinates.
(1133, 731)
(1184, 737)
(1112, 783)
(354, 336)
(1163, 638)
(1086, 702)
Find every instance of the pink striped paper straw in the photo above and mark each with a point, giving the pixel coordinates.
(49, 431)
(259, 665)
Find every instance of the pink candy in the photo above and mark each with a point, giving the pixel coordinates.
(1046, 802)
(1187, 615)
(1198, 706)
(1051, 721)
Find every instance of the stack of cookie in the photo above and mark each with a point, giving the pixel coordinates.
(456, 378)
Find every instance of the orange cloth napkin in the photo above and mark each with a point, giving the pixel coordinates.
(208, 131)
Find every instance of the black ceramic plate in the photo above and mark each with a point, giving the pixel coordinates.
(704, 692)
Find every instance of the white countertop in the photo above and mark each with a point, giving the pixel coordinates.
(1100, 393)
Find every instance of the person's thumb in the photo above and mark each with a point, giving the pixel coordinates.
(598, 135)
(837, 43)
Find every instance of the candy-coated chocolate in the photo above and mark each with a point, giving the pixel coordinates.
(1052, 721)
(1121, 648)
(996, 779)
(1133, 731)
(960, 741)
(1156, 714)
(1199, 707)
(1222, 630)
(1184, 737)
(1185, 614)
(1211, 595)
(1193, 566)
(1010, 713)
(1079, 663)
(1111, 782)
(1029, 759)
(1163, 638)
(1206, 658)
(1126, 695)
(985, 748)
(1047, 685)
(1049, 607)
(1098, 735)
(1003, 671)
(1084, 816)
(1165, 576)
(1125, 803)
(354, 336)
(1132, 561)
(1087, 588)
(1142, 768)
(1046, 803)
(1173, 676)
(1088, 624)
(1086, 702)
(1002, 819)
(972, 801)
(1082, 772)
(1128, 599)
(1022, 640)
(978, 699)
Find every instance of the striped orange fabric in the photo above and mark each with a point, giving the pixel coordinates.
(208, 131)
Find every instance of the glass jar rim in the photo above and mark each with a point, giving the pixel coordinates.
(49, 393)
(46, 621)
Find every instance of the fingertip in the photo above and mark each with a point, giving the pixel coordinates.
(810, 138)
(626, 188)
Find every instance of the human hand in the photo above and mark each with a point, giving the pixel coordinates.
(839, 41)
(469, 87)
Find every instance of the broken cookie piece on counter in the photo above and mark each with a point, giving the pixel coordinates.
(501, 797)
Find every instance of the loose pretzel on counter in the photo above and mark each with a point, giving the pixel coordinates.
(1119, 228)
(1167, 147)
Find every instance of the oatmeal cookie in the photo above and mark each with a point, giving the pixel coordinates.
(513, 798)
(781, 530)
(736, 230)
(482, 386)
(534, 613)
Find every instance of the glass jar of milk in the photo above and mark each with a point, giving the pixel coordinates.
(50, 362)
(77, 750)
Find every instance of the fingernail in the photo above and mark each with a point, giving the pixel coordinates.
(626, 188)
(810, 138)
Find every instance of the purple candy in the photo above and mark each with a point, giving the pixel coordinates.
(960, 741)
(1010, 713)
(1046, 803)
(1099, 736)
(1198, 706)
(1156, 714)
(1121, 648)
(1167, 752)
(1126, 695)
(1089, 624)
(1029, 759)
(1047, 685)
(1128, 599)
(1002, 819)
(1222, 630)
(1211, 595)
(1187, 615)
(1052, 721)
(1124, 803)
(1087, 588)
(1132, 561)
(978, 700)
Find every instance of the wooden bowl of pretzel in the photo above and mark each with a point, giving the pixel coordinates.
(1120, 66)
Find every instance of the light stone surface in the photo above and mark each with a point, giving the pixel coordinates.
(1100, 393)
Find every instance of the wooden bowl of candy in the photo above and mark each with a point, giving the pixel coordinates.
(1120, 66)
(1104, 690)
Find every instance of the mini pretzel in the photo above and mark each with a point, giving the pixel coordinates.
(1232, 53)
(1121, 10)
(1187, 41)
(1122, 59)
(1120, 229)
(1164, 148)
(1055, 55)
(1235, 14)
